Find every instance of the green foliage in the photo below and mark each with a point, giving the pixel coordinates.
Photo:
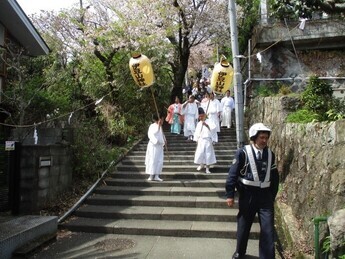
(317, 97)
(337, 112)
(267, 90)
(342, 244)
(249, 15)
(294, 9)
(92, 152)
(284, 90)
(272, 89)
(264, 91)
(27, 95)
(318, 104)
(326, 245)
(302, 116)
(281, 9)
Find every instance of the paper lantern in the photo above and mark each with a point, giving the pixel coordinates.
(222, 76)
(141, 70)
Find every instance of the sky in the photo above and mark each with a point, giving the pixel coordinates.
(34, 6)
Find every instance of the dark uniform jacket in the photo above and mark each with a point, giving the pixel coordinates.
(241, 168)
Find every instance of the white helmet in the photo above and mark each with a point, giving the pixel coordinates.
(255, 128)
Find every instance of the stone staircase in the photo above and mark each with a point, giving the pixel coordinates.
(187, 203)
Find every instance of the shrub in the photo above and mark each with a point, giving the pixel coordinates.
(272, 89)
(317, 97)
(92, 150)
(284, 90)
(337, 112)
(302, 116)
(318, 104)
(264, 91)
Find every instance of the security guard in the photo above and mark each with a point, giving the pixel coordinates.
(255, 176)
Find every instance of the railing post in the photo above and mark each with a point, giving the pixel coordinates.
(317, 220)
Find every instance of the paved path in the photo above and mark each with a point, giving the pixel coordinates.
(94, 245)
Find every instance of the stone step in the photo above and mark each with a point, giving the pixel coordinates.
(186, 175)
(189, 153)
(163, 191)
(167, 176)
(208, 229)
(23, 230)
(157, 213)
(176, 163)
(217, 168)
(182, 157)
(221, 133)
(182, 148)
(185, 143)
(188, 203)
(160, 201)
(167, 183)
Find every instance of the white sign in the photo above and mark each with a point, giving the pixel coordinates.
(9, 145)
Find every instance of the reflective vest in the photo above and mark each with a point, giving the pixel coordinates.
(256, 181)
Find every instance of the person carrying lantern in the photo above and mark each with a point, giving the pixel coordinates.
(155, 149)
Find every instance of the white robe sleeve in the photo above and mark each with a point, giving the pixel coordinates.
(197, 131)
(155, 135)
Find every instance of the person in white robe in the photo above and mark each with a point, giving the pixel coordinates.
(228, 104)
(213, 110)
(205, 101)
(155, 149)
(190, 112)
(204, 136)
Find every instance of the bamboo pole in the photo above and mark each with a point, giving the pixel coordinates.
(160, 126)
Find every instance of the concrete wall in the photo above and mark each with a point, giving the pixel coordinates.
(45, 167)
(316, 34)
(44, 136)
(46, 172)
(310, 160)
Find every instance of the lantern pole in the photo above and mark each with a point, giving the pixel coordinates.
(238, 93)
(160, 127)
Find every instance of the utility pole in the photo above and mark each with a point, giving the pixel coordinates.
(238, 93)
(264, 12)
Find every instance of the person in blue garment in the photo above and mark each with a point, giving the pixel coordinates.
(255, 176)
(175, 117)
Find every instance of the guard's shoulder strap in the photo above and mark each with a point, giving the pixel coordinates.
(252, 162)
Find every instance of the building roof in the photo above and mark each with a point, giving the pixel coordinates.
(21, 28)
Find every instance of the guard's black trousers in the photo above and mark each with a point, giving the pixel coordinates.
(254, 200)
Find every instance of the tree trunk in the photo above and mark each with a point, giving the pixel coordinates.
(179, 70)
